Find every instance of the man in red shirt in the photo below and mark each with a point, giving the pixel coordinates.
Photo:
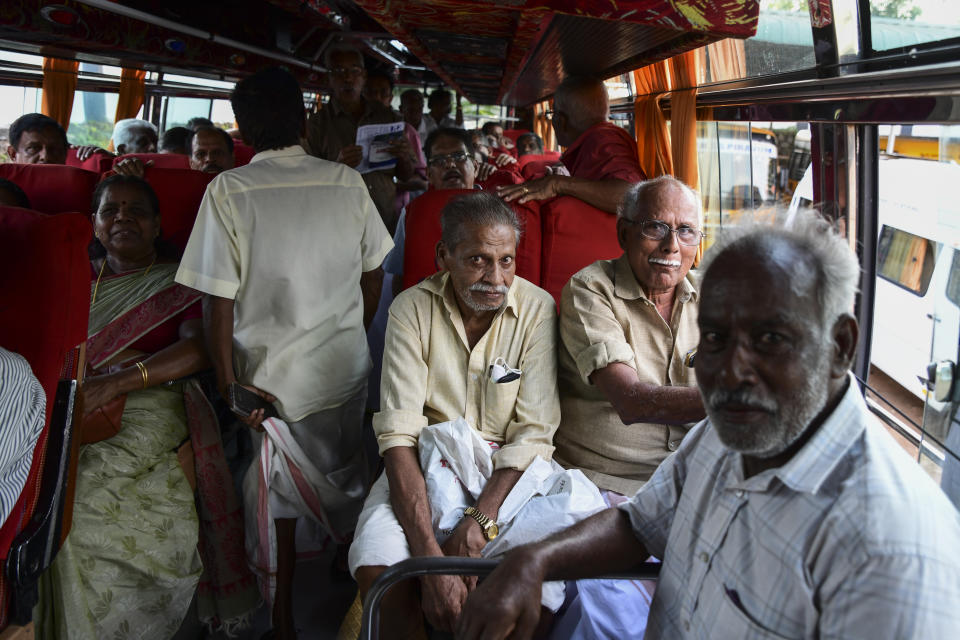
(600, 157)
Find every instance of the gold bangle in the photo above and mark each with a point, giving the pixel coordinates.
(143, 373)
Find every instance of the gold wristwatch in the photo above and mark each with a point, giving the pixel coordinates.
(490, 528)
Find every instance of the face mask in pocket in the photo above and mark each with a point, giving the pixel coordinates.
(501, 372)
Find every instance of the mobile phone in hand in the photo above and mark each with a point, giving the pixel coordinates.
(243, 402)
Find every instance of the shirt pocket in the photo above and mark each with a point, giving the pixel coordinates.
(733, 621)
(499, 405)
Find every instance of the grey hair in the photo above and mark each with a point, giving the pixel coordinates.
(577, 97)
(638, 198)
(482, 209)
(123, 130)
(342, 47)
(836, 263)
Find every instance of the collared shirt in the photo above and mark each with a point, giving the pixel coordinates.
(431, 375)
(849, 539)
(428, 125)
(287, 236)
(604, 318)
(602, 152)
(331, 129)
(22, 414)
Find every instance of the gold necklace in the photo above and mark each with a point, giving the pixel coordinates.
(96, 286)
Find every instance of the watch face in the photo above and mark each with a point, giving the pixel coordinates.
(492, 531)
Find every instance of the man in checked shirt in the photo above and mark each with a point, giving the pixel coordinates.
(788, 512)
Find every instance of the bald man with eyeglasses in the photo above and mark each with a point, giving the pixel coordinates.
(628, 328)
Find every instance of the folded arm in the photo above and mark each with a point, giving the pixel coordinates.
(636, 401)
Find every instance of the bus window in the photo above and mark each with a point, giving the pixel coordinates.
(953, 284)
(906, 259)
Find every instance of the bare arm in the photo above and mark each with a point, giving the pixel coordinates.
(636, 401)
(180, 359)
(468, 539)
(371, 282)
(602, 194)
(507, 603)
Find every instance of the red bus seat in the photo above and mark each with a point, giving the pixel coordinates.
(242, 153)
(513, 134)
(43, 317)
(53, 188)
(180, 192)
(534, 165)
(500, 178)
(575, 235)
(98, 162)
(422, 232)
(159, 160)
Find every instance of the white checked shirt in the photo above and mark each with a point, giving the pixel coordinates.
(849, 539)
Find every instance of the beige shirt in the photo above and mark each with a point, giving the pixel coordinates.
(287, 237)
(430, 375)
(331, 129)
(605, 317)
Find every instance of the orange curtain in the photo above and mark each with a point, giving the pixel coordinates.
(653, 140)
(59, 85)
(683, 117)
(542, 126)
(727, 60)
(131, 94)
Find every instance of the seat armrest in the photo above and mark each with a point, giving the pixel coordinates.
(35, 547)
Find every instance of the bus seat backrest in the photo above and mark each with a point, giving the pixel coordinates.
(422, 232)
(242, 153)
(159, 160)
(513, 134)
(43, 312)
(575, 235)
(500, 178)
(53, 188)
(98, 162)
(534, 165)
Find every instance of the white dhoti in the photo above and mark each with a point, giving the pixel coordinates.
(314, 470)
(456, 464)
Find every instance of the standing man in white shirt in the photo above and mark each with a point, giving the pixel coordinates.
(288, 250)
(787, 513)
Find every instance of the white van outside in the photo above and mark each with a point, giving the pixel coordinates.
(917, 304)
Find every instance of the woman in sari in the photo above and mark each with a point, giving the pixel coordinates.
(130, 565)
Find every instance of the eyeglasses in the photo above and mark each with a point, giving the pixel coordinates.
(656, 230)
(343, 72)
(440, 161)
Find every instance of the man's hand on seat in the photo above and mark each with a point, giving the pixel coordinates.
(87, 150)
(484, 170)
(506, 604)
(467, 541)
(442, 599)
(132, 167)
(540, 189)
(504, 159)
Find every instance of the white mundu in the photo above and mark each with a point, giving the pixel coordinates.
(287, 236)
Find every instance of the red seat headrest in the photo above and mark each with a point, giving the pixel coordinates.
(513, 134)
(575, 235)
(539, 162)
(180, 192)
(242, 153)
(98, 162)
(159, 160)
(53, 188)
(500, 178)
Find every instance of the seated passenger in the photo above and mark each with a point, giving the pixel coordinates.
(134, 136)
(37, 139)
(442, 337)
(130, 562)
(411, 108)
(196, 122)
(211, 150)
(627, 396)
(438, 103)
(529, 144)
(23, 407)
(12, 195)
(495, 131)
(600, 158)
(789, 512)
(175, 140)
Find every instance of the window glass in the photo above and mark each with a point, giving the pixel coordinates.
(784, 39)
(953, 284)
(91, 120)
(14, 102)
(906, 259)
(179, 110)
(222, 114)
(902, 23)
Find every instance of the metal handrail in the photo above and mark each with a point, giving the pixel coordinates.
(455, 566)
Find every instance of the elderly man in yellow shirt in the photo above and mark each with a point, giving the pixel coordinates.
(626, 326)
(442, 337)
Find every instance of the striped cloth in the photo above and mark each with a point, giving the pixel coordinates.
(849, 539)
(22, 415)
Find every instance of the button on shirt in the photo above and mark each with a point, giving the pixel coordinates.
(849, 539)
(287, 236)
(604, 318)
(431, 375)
